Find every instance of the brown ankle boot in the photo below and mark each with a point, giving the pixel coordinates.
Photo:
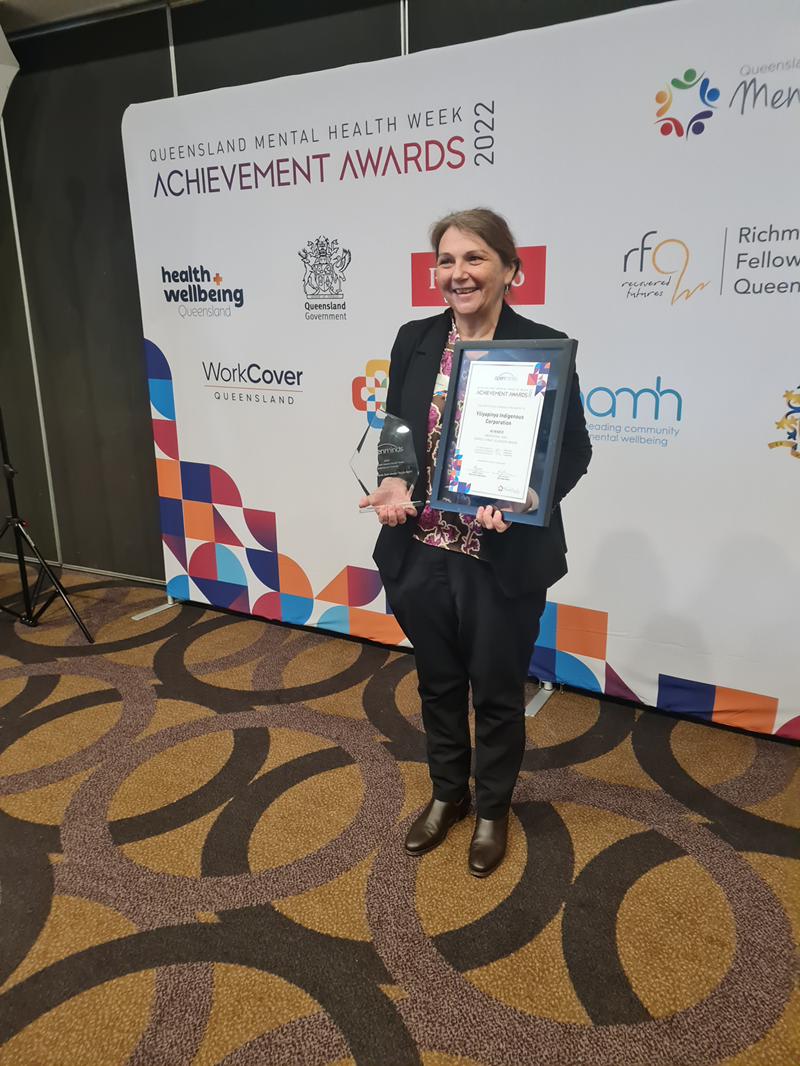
(430, 829)
(488, 846)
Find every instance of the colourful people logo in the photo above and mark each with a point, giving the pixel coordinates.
(790, 422)
(369, 391)
(708, 97)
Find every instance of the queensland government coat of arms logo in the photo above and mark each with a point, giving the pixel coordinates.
(325, 265)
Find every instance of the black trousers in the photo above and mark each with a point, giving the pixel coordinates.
(466, 631)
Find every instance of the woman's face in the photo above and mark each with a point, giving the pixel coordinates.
(471, 276)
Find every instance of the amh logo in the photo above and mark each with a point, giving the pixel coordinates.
(611, 396)
(528, 285)
(369, 391)
(790, 422)
(669, 257)
(665, 99)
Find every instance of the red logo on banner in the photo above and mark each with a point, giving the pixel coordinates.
(527, 286)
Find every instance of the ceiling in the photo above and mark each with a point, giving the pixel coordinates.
(20, 16)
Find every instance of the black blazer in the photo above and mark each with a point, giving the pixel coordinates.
(525, 557)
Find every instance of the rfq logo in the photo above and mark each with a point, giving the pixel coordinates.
(669, 260)
(528, 285)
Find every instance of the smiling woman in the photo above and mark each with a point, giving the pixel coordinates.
(473, 279)
(467, 591)
(476, 261)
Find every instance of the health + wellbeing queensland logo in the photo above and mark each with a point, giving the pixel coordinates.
(692, 95)
(195, 286)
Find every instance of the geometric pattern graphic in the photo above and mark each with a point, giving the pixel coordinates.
(355, 587)
(726, 706)
(220, 576)
(223, 553)
(571, 650)
(454, 484)
(539, 377)
(201, 862)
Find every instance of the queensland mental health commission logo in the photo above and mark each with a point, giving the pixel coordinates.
(193, 299)
(790, 422)
(325, 265)
(369, 391)
(686, 104)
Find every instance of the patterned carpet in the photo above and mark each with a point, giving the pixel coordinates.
(201, 824)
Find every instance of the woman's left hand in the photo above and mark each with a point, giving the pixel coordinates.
(492, 518)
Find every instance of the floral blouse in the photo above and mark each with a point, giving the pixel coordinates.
(445, 529)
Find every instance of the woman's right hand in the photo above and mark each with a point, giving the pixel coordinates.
(391, 500)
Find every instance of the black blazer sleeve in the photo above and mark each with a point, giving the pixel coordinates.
(402, 350)
(576, 448)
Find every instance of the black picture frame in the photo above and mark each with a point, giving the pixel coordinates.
(558, 357)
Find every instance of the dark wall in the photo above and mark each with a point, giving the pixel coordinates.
(63, 127)
(18, 397)
(437, 23)
(257, 42)
(62, 121)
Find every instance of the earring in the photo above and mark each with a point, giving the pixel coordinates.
(507, 288)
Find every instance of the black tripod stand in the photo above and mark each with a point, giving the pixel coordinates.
(30, 615)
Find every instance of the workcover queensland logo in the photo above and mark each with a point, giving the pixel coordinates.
(686, 104)
(325, 265)
(198, 294)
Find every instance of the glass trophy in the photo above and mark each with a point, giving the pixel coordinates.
(386, 450)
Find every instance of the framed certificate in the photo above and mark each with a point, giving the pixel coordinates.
(502, 427)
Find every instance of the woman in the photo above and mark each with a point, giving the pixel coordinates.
(468, 591)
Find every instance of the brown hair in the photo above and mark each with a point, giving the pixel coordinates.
(488, 225)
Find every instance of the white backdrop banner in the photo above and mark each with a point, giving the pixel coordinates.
(647, 162)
